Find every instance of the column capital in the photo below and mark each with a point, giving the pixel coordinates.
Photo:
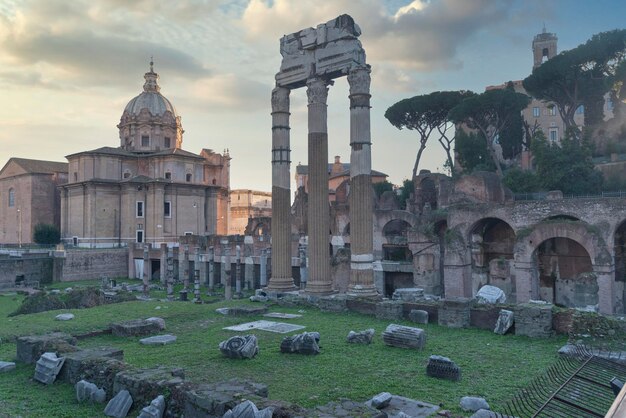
(317, 90)
(280, 99)
(359, 80)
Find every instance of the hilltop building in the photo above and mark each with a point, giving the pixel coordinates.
(148, 189)
(245, 205)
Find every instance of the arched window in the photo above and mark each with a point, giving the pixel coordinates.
(188, 177)
(11, 197)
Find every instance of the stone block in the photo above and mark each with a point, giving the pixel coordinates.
(361, 337)
(242, 311)
(146, 384)
(473, 404)
(533, 320)
(135, 328)
(157, 320)
(88, 392)
(332, 304)
(443, 368)
(64, 317)
(490, 294)
(76, 362)
(381, 400)
(48, 367)
(410, 294)
(30, 348)
(505, 322)
(6, 366)
(216, 399)
(240, 347)
(155, 409)
(247, 409)
(390, 310)
(404, 337)
(158, 340)
(119, 405)
(305, 343)
(454, 313)
(347, 408)
(418, 316)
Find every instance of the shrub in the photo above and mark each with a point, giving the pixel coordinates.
(46, 234)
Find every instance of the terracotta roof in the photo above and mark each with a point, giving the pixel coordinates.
(39, 166)
(123, 153)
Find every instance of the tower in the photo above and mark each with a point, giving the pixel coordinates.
(544, 47)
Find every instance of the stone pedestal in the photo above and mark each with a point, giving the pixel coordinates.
(281, 279)
(454, 313)
(319, 281)
(533, 320)
(389, 310)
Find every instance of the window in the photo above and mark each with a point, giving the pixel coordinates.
(167, 209)
(166, 142)
(75, 176)
(145, 141)
(126, 174)
(580, 110)
(139, 209)
(139, 235)
(11, 197)
(168, 175)
(188, 177)
(536, 112)
(552, 110)
(554, 134)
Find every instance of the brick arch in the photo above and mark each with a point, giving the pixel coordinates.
(579, 232)
(402, 215)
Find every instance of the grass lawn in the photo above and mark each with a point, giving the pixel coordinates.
(493, 366)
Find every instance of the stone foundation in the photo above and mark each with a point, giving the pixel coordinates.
(76, 363)
(30, 348)
(332, 304)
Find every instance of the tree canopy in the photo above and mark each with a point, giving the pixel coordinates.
(425, 114)
(46, 234)
(581, 76)
(489, 113)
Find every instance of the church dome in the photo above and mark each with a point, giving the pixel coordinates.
(151, 98)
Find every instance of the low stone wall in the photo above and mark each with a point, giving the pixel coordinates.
(485, 317)
(35, 268)
(95, 263)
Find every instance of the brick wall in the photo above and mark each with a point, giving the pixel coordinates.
(27, 268)
(93, 264)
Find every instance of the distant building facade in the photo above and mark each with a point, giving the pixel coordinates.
(29, 195)
(148, 189)
(338, 173)
(245, 205)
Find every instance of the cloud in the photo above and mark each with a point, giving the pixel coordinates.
(229, 91)
(422, 35)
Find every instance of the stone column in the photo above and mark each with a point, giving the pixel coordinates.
(186, 269)
(228, 289)
(281, 279)
(170, 274)
(163, 258)
(238, 272)
(304, 270)
(196, 276)
(263, 268)
(361, 210)
(203, 269)
(320, 282)
(211, 256)
(146, 270)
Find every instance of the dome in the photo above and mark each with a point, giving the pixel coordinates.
(150, 98)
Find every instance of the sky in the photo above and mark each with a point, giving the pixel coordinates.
(68, 68)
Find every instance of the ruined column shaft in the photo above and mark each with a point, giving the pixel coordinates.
(319, 281)
(361, 206)
(281, 279)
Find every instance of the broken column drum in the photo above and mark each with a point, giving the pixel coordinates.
(313, 57)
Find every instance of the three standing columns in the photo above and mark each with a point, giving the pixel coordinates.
(360, 198)
(281, 279)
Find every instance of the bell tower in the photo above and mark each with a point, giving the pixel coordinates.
(544, 47)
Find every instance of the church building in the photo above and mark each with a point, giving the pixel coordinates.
(148, 189)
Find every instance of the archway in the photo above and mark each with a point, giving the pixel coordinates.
(492, 243)
(565, 273)
(395, 247)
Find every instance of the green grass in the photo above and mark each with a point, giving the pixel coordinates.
(493, 366)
